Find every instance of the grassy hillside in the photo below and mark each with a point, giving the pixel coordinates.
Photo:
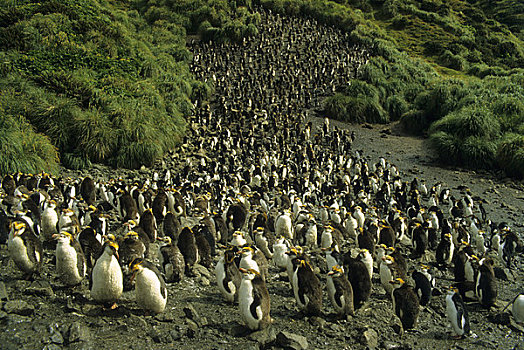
(101, 81)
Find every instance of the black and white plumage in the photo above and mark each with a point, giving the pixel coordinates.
(70, 259)
(253, 300)
(517, 308)
(228, 275)
(91, 243)
(405, 303)
(306, 288)
(150, 288)
(340, 292)
(486, 283)
(424, 284)
(457, 314)
(25, 248)
(187, 245)
(172, 261)
(107, 279)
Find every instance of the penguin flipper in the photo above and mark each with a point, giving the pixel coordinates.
(256, 303)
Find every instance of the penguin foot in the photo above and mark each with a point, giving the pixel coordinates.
(113, 307)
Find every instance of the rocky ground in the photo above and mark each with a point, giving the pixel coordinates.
(43, 314)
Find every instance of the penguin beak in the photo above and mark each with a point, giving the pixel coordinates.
(133, 276)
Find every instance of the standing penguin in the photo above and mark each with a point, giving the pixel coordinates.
(307, 288)
(187, 245)
(359, 278)
(151, 291)
(88, 190)
(517, 309)
(25, 248)
(91, 245)
(148, 224)
(228, 275)
(424, 284)
(405, 303)
(445, 249)
(457, 313)
(486, 284)
(171, 260)
(49, 221)
(253, 300)
(107, 281)
(70, 259)
(340, 292)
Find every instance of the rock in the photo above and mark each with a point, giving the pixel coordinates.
(291, 341)
(192, 328)
(204, 281)
(52, 347)
(176, 334)
(503, 273)
(191, 313)
(263, 337)
(202, 270)
(500, 318)
(56, 336)
(160, 338)
(40, 288)
(3, 315)
(369, 338)
(77, 333)
(3, 292)
(19, 307)
(387, 345)
(318, 321)
(238, 330)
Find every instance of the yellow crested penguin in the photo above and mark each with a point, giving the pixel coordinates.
(261, 242)
(228, 275)
(254, 259)
(148, 223)
(107, 280)
(171, 260)
(388, 271)
(307, 288)
(486, 283)
(70, 259)
(340, 292)
(88, 190)
(457, 314)
(150, 288)
(91, 245)
(358, 276)
(424, 284)
(367, 259)
(49, 221)
(253, 300)
(405, 303)
(25, 248)
(130, 248)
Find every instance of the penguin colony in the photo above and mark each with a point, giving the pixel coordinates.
(267, 192)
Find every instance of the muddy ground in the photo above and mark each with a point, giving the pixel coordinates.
(42, 314)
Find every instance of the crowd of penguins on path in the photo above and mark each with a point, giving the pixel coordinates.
(258, 190)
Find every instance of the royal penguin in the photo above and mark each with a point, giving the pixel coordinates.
(187, 245)
(405, 303)
(388, 271)
(358, 276)
(91, 243)
(171, 226)
(25, 248)
(150, 288)
(237, 239)
(280, 258)
(252, 258)
(148, 223)
(203, 245)
(228, 275)
(283, 225)
(424, 284)
(261, 242)
(253, 300)
(88, 190)
(445, 249)
(107, 280)
(486, 283)
(340, 292)
(70, 259)
(171, 260)
(307, 288)
(457, 314)
(49, 225)
(367, 259)
(517, 308)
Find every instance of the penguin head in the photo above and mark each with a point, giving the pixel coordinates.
(136, 264)
(452, 290)
(388, 259)
(167, 240)
(249, 273)
(112, 248)
(246, 251)
(18, 227)
(336, 271)
(132, 235)
(63, 237)
(397, 282)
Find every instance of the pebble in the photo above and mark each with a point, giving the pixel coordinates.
(3, 292)
(78, 332)
(370, 338)
(19, 307)
(56, 336)
(263, 337)
(291, 341)
(40, 288)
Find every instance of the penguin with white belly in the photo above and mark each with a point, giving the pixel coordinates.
(457, 314)
(107, 280)
(25, 248)
(253, 300)
(150, 288)
(340, 292)
(227, 274)
(70, 259)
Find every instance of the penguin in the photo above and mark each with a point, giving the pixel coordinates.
(88, 190)
(4, 226)
(203, 246)
(70, 259)
(49, 225)
(445, 249)
(457, 314)
(253, 300)
(150, 288)
(91, 245)
(261, 242)
(171, 226)
(486, 283)
(388, 271)
(25, 248)
(171, 260)
(280, 258)
(420, 241)
(405, 303)
(187, 245)
(107, 279)
(228, 275)
(283, 225)
(358, 276)
(367, 259)
(340, 292)
(517, 308)
(237, 239)
(254, 259)
(424, 284)
(127, 207)
(148, 223)
(307, 288)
